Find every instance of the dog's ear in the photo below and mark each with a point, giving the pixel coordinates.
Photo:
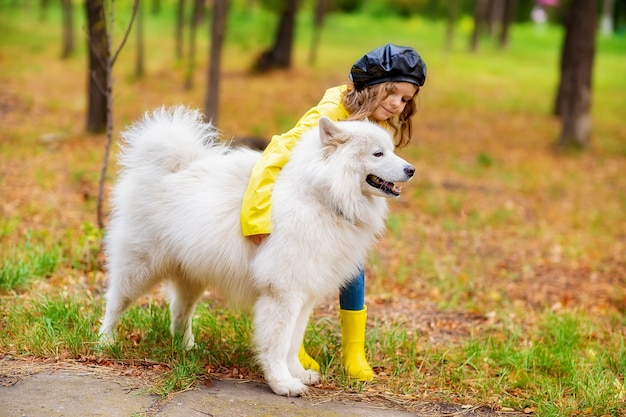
(328, 129)
(331, 133)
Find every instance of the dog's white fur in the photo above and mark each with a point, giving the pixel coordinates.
(175, 217)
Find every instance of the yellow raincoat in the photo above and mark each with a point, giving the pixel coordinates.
(256, 209)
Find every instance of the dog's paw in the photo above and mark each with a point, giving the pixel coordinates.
(309, 377)
(106, 338)
(105, 343)
(189, 343)
(291, 387)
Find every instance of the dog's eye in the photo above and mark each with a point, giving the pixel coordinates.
(378, 154)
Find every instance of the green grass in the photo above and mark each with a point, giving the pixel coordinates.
(49, 326)
(38, 255)
(559, 369)
(567, 363)
(83, 247)
(26, 262)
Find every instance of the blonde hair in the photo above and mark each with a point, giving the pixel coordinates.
(362, 103)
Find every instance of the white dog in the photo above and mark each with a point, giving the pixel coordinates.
(176, 218)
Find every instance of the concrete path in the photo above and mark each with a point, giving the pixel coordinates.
(83, 392)
(72, 393)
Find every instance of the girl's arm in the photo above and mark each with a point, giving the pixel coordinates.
(256, 208)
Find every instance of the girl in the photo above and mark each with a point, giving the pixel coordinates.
(385, 82)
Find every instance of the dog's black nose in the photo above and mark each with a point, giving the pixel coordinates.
(409, 171)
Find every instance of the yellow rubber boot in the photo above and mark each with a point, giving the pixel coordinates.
(353, 344)
(306, 361)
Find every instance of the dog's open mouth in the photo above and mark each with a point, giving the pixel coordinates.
(385, 186)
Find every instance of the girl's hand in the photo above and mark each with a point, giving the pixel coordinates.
(258, 239)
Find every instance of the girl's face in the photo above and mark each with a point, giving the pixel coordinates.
(395, 102)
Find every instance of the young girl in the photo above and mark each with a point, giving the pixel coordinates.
(385, 82)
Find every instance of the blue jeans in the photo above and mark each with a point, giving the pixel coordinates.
(352, 296)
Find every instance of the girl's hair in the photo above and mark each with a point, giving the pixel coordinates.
(362, 103)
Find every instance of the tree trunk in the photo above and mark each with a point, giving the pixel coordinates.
(155, 8)
(98, 57)
(573, 103)
(453, 13)
(608, 7)
(199, 11)
(279, 56)
(507, 19)
(480, 18)
(180, 24)
(139, 57)
(196, 17)
(43, 10)
(495, 15)
(218, 27)
(108, 65)
(68, 29)
(320, 14)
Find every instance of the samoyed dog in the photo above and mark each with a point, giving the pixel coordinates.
(176, 218)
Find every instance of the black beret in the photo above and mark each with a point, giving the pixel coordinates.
(389, 63)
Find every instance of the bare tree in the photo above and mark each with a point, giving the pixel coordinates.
(196, 18)
(494, 14)
(481, 9)
(452, 15)
(507, 19)
(139, 57)
(68, 28)
(279, 55)
(573, 101)
(318, 22)
(101, 43)
(218, 28)
(98, 57)
(155, 8)
(180, 25)
(608, 6)
(491, 16)
(43, 9)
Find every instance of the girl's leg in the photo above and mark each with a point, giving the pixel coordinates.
(352, 296)
(353, 317)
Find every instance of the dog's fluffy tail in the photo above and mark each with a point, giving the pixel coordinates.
(167, 139)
